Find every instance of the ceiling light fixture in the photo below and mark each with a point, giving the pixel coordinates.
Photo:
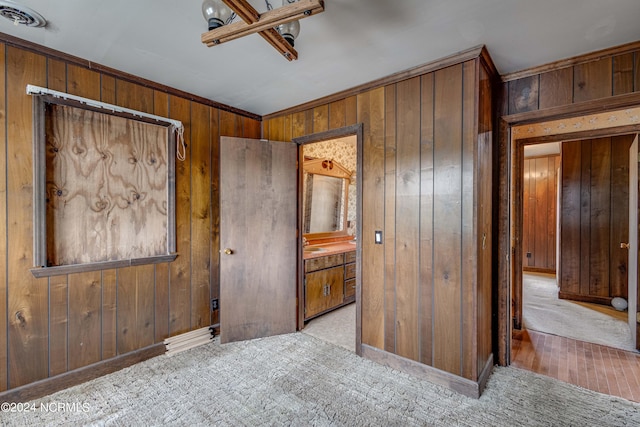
(278, 26)
(290, 30)
(216, 13)
(21, 15)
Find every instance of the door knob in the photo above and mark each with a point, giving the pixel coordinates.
(624, 246)
(228, 251)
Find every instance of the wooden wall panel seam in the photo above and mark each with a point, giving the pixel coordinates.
(28, 331)
(419, 222)
(190, 220)
(636, 71)
(462, 206)
(4, 311)
(407, 215)
(433, 221)
(389, 188)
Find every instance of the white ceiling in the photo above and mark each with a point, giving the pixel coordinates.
(540, 150)
(352, 42)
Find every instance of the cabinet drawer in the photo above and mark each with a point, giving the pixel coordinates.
(350, 271)
(349, 288)
(323, 262)
(350, 257)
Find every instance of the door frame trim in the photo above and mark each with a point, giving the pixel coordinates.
(632, 292)
(358, 131)
(504, 159)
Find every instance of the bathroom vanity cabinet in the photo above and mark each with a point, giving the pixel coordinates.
(329, 282)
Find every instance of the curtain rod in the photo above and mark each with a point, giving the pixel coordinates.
(37, 90)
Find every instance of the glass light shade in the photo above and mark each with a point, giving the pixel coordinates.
(215, 12)
(619, 303)
(289, 31)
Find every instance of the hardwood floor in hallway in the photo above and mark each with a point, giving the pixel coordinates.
(591, 366)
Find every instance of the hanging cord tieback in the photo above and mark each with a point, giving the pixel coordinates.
(181, 148)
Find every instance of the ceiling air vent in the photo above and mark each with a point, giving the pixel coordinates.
(19, 14)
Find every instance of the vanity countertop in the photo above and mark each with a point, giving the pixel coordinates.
(330, 249)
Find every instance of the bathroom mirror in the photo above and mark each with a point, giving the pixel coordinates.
(326, 196)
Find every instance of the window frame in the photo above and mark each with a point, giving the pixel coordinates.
(40, 238)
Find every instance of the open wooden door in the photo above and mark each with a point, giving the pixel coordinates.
(258, 244)
(633, 299)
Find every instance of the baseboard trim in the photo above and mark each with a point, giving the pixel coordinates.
(453, 382)
(51, 385)
(485, 374)
(585, 298)
(539, 270)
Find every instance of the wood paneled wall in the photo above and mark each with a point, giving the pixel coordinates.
(540, 184)
(615, 72)
(595, 219)
(426, 291)
(52, 326)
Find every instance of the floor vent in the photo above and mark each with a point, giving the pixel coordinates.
(182, 342)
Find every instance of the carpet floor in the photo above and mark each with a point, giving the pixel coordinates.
(299, 380)
(542, 311)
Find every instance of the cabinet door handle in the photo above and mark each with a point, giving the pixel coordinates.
(326, 290)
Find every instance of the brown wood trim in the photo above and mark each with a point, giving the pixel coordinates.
(39, 272)
(489, 65)
(329, 134)
(447, 61)
(51, 385)
(545, 156)
(518, 189)
(453, 382)
(585, 298)
(578, 109)
(121, 75)
(39, 182)
(359, 192)
(335, 307)
(575, 60)
(159, 259)
(539, 270)
(586, 134)
(483, 378)
(502, 298)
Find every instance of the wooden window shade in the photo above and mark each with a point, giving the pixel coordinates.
(103, 188)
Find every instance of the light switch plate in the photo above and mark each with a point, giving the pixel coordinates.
(378, 237)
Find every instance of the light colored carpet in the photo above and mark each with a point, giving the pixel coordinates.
(337, 327)
(543, 311)
(299, 380)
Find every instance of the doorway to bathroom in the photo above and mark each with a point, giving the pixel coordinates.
(329, 219)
